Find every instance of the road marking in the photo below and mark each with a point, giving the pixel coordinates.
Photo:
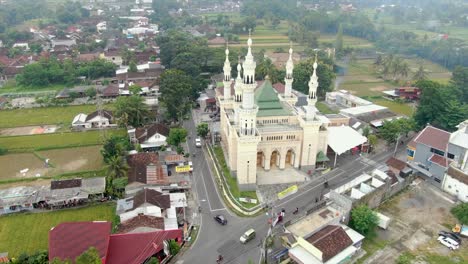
(222, 209)
(203, 200)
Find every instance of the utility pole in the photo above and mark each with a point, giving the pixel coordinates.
(396, 144)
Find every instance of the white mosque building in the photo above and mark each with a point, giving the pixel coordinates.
(263, 128)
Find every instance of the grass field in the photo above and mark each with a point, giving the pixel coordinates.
(29, 232)
(11, 165)
(399, 108)
(42, 116)
(74, 159)
(11, 87)
(57, 140)
(324, 109)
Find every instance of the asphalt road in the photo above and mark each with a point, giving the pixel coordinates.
(214, 239)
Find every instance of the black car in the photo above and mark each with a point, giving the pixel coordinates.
(450, 235)
(221, 219)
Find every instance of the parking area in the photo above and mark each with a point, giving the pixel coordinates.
(418, 214)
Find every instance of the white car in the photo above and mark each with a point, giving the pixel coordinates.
(198, 142)
(448, 242)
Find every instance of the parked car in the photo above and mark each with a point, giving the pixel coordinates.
(198, 142)
(221, 219)
(448, 242)
(247, 236)
(451, 235)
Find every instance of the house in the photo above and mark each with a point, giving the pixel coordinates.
(101, 26)
(85, 57)
(145, 168)
(146, 202)
(149, 137)
(112, 56)
(69, 240)
(97, 119)
(63, 42)
(345, 99)
(427, 154)
(279, 59)
(111, 91)
(456, 177)
(57, 194)
(398, 167)
(404, 93)
(331, 244)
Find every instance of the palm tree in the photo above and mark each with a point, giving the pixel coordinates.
(395, 66)
(266, 67)
(404, 70)
(420, 74)
(387, 63)
(116, 167)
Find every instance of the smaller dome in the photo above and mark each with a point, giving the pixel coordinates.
(249, 42)
(227, 52)
(239, 67)
(290, 51)
(315, 65)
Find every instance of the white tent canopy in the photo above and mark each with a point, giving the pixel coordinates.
(343, 138)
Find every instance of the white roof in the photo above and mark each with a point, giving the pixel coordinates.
(359, 110)
(355, 182)
(178, 199)
(80, 118)
(459, 138)
(343, 138)
(303, 255)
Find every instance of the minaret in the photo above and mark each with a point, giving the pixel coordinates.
(248, 137)
(288, 79)
(227, 76)
(313, 85)
(248, 81)
(238, 83)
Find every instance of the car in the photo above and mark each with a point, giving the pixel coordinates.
(221, 219)
(450, 235)
(247, 236)
(198, 142)
(448, 242)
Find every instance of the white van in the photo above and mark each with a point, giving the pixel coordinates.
(448, 242)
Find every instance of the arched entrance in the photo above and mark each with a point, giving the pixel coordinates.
(261, 159)
(290, 158)
(275, 159)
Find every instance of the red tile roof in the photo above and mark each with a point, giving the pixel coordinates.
(396, 163)
(69, 240)
(439, 160)
(330, 240)
(138, 164)
(136, 248)
(141, 221)
(433, 137)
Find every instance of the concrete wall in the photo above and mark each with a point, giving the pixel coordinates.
(422, 154)
(438, 174)
(456, 188)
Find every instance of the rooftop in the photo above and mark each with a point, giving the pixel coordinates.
(433, 137)
(312, 222)
(360, 110)
(268, 102)
(330, 240)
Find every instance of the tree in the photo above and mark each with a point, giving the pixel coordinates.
(39, 257)
(372, 139)
(420, 74)
(176, 136)
(461, 213)
(186, 62)
(91, 92)
(114, 147)
(339, 40)
(391, 130)
(116, 179)
(91, 256)
(363, 219)
(132, 67)
(460, 80)
(3, 151)
(174, 247)
(303, 71)
(176, 92)
(135, 89)
(134, 108)
(366, 131)
(153, 260)
(202, 129)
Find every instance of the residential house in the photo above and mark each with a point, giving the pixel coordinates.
(101, 26)
(427, 154)
(111, 91)
(145, 168)
(149, 137)
(69, 240)
(456, 177)
(279, 59)
(404, 93)
(161, 207)
(112, 56)
(86, 57)
(319, 237)
(57, 194)
(97, 119)
(63, 42)
(345, 99)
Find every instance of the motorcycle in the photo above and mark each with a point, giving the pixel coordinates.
(296, 211)
(219, 259)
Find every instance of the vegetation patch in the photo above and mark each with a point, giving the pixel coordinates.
(55, 141)
(231, 181)
(397, 107)
(28, 232)
(11, 165)
(42, 116)
(324, 109)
